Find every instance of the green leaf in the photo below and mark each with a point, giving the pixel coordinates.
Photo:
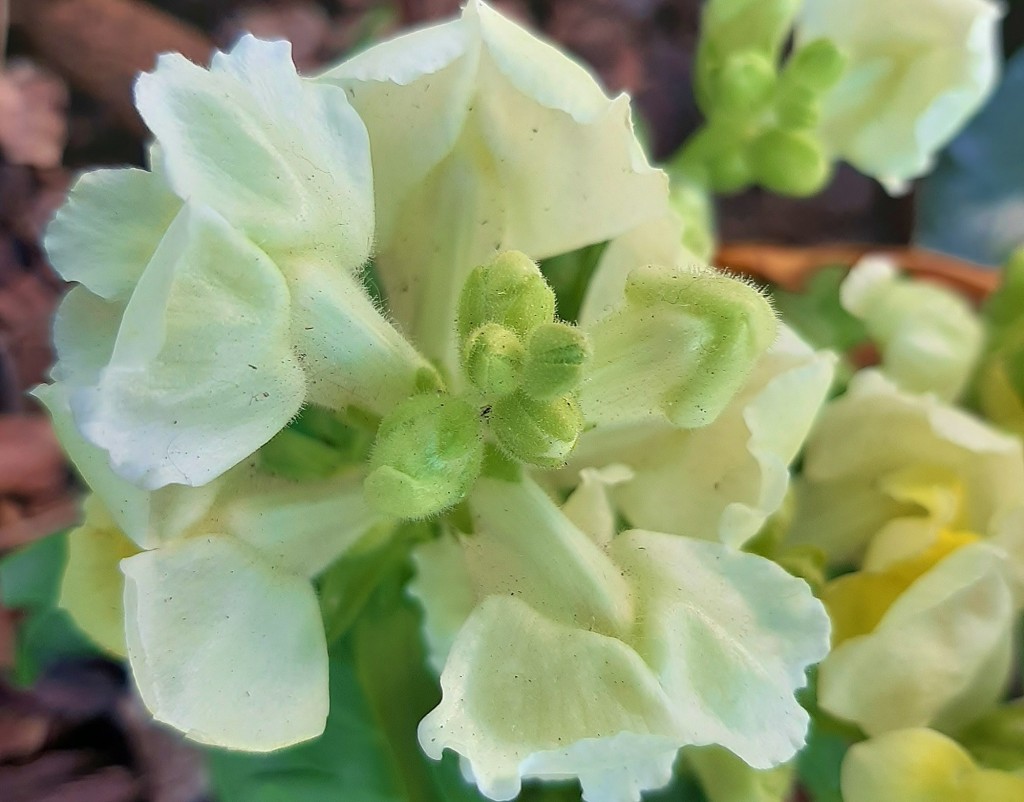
(30, 577)
(30, 580)
(349, 761)
(817, 314)
(45, 637)
(568, 274)
(819, 762)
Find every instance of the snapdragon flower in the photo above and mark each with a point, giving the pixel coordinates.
(915, 72)
(220, 292)
(483, 150)
(920, 765)
(929, 337)
(207, 591)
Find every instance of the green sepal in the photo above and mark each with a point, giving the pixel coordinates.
(492, 359)
(541, 433)
(789, 162)
(511, 291)
(556, 354)
(428, 453)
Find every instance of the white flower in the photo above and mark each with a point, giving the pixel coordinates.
(929, 336)
(916, 72)
(618, 650)
(215, 609)
(486, 139)
(221, 291)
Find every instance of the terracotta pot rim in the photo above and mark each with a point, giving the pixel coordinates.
(790, 266)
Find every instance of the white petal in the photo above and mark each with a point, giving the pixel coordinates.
(903, 97)
(590, 507)
(284, 159)
(517, 684)
(729, 636)
(298, 527)
(225, 648)
(497, 140)
(723, 480)
(84, 332)
(445, 590)
(525, 546)
(147, 517)
(956, 621)
(202, 373)
(841, 501)
(929, 336)
(106, 232)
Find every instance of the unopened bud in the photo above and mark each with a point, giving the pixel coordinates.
(817, 65)
(556, 353)
(541, 433)
(428, 453)
(493, 359)
(744, 82)
(788, 162)
(511, 291)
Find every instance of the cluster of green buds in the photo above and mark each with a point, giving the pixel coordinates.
(520, 369)
(762, 113)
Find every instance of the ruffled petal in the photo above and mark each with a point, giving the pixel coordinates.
(842, 500)
(105, 234)
(921, 765)
(957, 620)
(224, 647)
(902, 98)
(203, 372)
(929, 336)
(730, 636)
(571, 687)
(298, 527)
(525, 546)
(531, 156)
(146, 517)
(723, 480)
(284, 159)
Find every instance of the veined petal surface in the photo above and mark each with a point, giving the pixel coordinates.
(224, 647)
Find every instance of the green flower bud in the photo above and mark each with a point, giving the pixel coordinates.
(798, 108)
(511, 291)
(729, 171)
(789, 162)
(556, 353)
(817, 65)
(681, 346)
(744, 82)
(541, 433)
(428, 453)
(493, 359)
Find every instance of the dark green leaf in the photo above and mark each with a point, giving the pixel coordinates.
(816, 313)
(569, 274)
(30, 577)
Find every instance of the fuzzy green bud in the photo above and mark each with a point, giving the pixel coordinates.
(510, 291)
(744, 82)
(541, 433)
(681, 347)
(428, 453)
(789, 162)
(817, 65)
(493, 359)
(556, 353)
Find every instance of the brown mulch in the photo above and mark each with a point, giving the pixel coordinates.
(65, 105)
